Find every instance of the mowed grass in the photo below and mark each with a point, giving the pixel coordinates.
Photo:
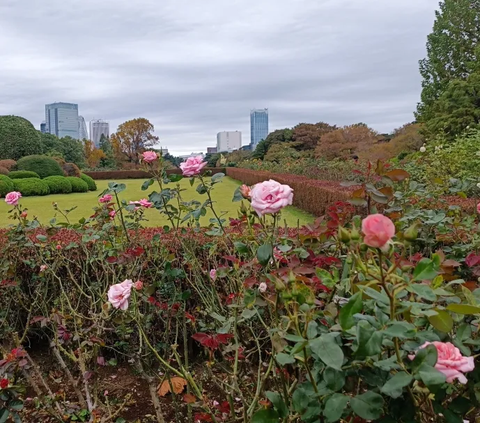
(222, 194)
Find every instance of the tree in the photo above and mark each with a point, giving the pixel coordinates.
(51, 145)
(278, 136)
(284, 151)
(18, 138)
(452, 51)
(133, 137)
(106, 147)
(308, 135)
(93, 155)
(72, 150)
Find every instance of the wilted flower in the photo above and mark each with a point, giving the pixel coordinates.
(246, 191)
(262, 287)
(213, 274)
(138, 285)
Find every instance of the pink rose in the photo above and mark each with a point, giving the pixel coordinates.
(192, 166)
(145, 203)
(12, 198)
(58, 247)
(119, 294)
(24, 215)
(138, 285)
(213, 274)
(105, 199)
(378, 230)
(149, 156)
(246, 191)
(450, 361)
(112, 214)
(270, 197)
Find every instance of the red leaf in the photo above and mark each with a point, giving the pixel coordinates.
(472, 260)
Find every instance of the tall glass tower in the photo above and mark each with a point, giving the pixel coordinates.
(258, 126)
(62, 120)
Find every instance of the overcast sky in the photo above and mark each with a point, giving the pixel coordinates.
(194, 68)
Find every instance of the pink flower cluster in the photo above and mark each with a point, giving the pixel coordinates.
(192, 166)
(12, 198)
(105, 199)
(270, 197)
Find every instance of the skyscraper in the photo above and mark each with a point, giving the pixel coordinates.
(258, 126)
(82, 128)
(229, 141)
(62, 120)
(98, 127)
(43, 127)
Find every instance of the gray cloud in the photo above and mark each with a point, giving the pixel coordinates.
(195, 68)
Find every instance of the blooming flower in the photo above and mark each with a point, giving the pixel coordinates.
(246, 191)
(213, 274)
(450, 361)
(12, 198)
(119, 294)
(58, 247)
(423, 149)
(378, 230)
(270, 197)
(138, 285)
(192, 166)
(149, 156)
(112, 214)
(262, 287)
(145, 203)
(3, 383)
(105, 199)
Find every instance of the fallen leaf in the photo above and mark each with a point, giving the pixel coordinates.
(189, 398)
(176, 383)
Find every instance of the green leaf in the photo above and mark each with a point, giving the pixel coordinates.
(423, 291)
(431, 376)
(217, 177)
(394, 386)
(278, 402)
(425, 356)
(464, 331)
(175, 177)
(327, 350)
(335, 379)
(4, 413)
(312, 329)
(379, 296)
(300, 400)
(463, 309)
(354, 306)
(425, 269)
(241, 247)
(237, 195)
(147, 184)
(284, 359)
(401, 330)
(294, 338)
(202, 189)
(42, 238)
(265, 416)
(442, 321)
(368, 406)
(369, 340)
(265, 254)
(334, 407)
(16, 405)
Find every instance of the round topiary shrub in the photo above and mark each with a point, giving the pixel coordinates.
(43, 165)
(58, 184)
(92, 186)
(8, 164)
(6, 185)
(78, 185)
(18, 138)
(22, 174)
(31, 186)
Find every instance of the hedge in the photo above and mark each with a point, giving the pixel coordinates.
(31, 186)
(22, 174)
(140, 174)
(92, 186)
(58, 184)
(43, 165)
(78, 185)
(6, 185)
(311, 195)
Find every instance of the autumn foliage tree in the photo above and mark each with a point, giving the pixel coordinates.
(308, 135)
(93, 155)
(345, 142)
(133, 137)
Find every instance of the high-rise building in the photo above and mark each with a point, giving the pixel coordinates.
(229, 141)
(82, 128)
(98, 127)
(62, 120)
(43, 127)
(258, 126)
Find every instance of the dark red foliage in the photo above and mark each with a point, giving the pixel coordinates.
(472, 260)
(202, 417)
(3, 383)
(212, 342)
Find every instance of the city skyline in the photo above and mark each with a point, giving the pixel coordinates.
(62, 119)
(307, 61)
(258, 126)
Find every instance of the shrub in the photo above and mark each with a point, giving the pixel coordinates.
(22, 174)
(3, 170)
(58, 184)
(138, 174)
(31, 186)
(43, 165)
(71, 169)
(78, 185)
(92, 186)
(8, 164)
(18, 138)
(6, 185)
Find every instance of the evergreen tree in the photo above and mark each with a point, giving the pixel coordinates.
(106, 146)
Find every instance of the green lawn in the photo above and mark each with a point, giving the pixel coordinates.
(41, 207)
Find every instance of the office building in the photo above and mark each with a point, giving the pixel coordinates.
(82, 129)
(43, 127)
(98, 128)
(229, 141)
(61, 119)
(164, 151)
(211, 150)
(258, 126)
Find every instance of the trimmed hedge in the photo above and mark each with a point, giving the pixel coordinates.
(311, 195)
(31, 186)
(140, 174)
(43, 165)
(22, 174)
(58, 184)
(78, 185)
(6, 185)
(92, 186)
